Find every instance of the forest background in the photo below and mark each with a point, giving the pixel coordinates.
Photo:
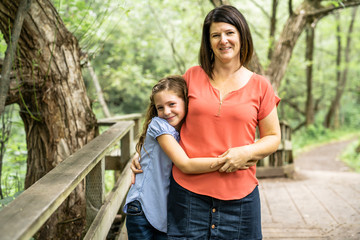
(129, 45)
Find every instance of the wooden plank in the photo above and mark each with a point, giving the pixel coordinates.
(28, 212)
(281, 171)
(113, 120)
(95, 191)
(262, 172)
(349, 196)
(280, 204)
(103, 221)
(266, 216)
(311, 209)
(334, 204)
(113, 163)
(293, 232)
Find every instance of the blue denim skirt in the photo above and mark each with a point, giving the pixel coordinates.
(194, 216)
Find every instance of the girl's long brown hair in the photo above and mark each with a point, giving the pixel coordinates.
(175, 84)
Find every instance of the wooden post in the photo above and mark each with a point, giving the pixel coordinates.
(126, 143)
(95, 191)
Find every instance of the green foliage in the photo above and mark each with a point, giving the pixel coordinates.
(351, 156)
(3, 46)
(317, 134)
(7, 200)
(14, 162)
(139, 51)
(109, 180)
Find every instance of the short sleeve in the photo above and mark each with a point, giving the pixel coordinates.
(159, 126)
(268, 99)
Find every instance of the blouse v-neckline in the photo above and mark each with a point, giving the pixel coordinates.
(221, 98)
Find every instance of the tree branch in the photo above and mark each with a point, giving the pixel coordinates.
(10, 52)
(291, 12)
(294, 106)
(325, 11)
(177, 58)
(218, 3)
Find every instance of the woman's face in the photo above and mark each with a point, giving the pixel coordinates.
(225, 42)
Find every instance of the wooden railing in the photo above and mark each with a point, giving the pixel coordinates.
(24, 216)
(280, 163)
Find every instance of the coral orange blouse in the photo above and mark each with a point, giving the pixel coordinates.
(212, 127)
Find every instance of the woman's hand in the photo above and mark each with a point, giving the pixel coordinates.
(135, 167)
(234, 159)
(244, 157)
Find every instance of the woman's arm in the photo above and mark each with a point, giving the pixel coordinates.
(247, 156)
(178, 156)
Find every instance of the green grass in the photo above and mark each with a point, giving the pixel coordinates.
(351, 157)
(315, 136)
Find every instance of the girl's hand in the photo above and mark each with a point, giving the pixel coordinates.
(234, 159)
(135, 167)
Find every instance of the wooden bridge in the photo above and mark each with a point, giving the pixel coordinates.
(25, 215)
(285, 201)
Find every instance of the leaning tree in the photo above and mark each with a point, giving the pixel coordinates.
(47, 84)
(308, 11)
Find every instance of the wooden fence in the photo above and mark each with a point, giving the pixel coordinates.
(280, 163)
(24, 216)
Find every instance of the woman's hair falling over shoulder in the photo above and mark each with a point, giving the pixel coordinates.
(174, 83)
(227, 14)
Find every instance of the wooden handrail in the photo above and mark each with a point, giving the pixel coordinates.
(24, 216)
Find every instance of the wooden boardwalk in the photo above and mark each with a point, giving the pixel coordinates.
(321, 201)
(313, 205)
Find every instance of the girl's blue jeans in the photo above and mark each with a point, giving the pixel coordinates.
(138, 227)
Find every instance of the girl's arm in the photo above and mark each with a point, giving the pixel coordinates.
(247, 156)
(178, 156)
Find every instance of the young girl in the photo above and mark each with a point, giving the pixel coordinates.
(146, 202)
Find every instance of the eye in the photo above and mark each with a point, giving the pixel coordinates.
(159, 108)
(230, 33)
(215, 35)
(172, 104)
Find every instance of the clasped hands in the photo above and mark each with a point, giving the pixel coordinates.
(238, 158)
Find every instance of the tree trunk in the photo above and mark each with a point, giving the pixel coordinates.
(10, 52)
(332, 118)
(310, 39)
(272, 27)
(98, 90)
(294, 26)
(285, 45)
(331, 113)
(53, 104)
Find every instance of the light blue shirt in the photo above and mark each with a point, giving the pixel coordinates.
(151, 187)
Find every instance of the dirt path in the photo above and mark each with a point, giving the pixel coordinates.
(324, 158)
(321, 202)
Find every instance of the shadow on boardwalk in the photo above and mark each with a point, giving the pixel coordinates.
(321, 202)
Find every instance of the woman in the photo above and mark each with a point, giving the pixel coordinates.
(226, 103)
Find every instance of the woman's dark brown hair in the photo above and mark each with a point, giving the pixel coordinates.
(227, 14)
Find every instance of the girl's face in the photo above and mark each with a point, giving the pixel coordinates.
(225, 42)
(170, 107)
